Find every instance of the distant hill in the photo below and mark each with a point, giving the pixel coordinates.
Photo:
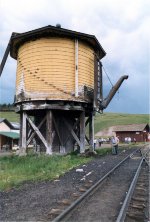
(11, 116)
(102, 121)
(106, 120)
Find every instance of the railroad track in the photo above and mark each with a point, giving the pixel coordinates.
(146, 154)
(136, 204)
(103, 200)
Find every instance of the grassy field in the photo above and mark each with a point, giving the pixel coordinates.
(106, 120)
(11, 116)
(14, 169)
(102, 121)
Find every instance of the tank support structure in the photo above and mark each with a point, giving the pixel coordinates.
(55, 130)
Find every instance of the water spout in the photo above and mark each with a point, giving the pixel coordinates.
(107, 100)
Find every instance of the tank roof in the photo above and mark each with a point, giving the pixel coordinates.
(18, 39)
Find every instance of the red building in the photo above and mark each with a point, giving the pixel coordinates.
(140, 132)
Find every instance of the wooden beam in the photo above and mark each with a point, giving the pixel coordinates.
(87, 121)
(24, 131)
(38, 133)
(87, 139)
(30, 131)
(49, 132)
(82, 132)
(72, 131)
(74, 127)
(57, 131)
(91, 130)
(31, 106)
(20, 138)
(34, 133)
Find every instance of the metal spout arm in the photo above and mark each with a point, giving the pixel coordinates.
(7, 51)
(107, 100)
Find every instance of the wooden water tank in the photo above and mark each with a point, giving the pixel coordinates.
(54, 64)
(46, 68)
(58, 87)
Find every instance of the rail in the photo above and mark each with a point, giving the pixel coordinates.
(146, 156)
(126, 202)
(122, 213)
(90, 190)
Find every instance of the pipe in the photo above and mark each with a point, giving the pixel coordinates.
(107, 100)
(4, 58)
(7, 51)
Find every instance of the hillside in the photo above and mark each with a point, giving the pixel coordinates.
(11, 116)
(106, 120)
(102, 121)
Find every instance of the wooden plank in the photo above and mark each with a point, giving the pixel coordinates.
(30, 106)
(87, 121)
(29, 131)
(20, 139)
(82, 132)
(87, 139)
(24, 131)
(57, 131)
(91, 130)
(34, 133)
(72, 131)
(74, 127)
(49, 132)
(38, 133)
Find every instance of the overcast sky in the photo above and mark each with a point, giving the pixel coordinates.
(121, 26)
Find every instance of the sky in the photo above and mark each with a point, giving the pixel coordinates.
(121, 27)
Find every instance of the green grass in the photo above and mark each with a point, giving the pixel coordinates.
(106, 120)
(10, 116)
(14, 169)
(103, 151)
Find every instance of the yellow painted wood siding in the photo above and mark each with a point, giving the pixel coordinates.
(86, 65)
(47, 68)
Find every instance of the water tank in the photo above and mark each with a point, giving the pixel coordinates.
(54, 64)
(56, 81)
(46, 69)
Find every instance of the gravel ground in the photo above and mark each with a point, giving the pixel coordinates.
(35, 201)
(105, 203)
